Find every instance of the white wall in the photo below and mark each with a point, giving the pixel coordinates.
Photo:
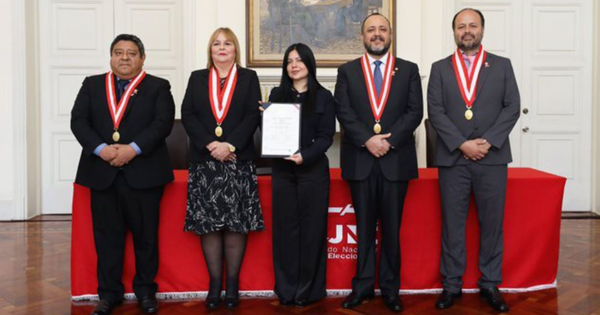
(33, 166)
(596, 115)
(6, 105)
(12, 110)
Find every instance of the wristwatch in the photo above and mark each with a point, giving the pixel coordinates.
(231, 148)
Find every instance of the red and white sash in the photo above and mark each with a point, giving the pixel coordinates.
(467, 82)
(117, 110)
(220, 99)
(378, 102)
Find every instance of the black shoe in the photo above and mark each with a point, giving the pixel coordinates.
(446, 299)
(353, 300)
(285, 302)
(494, 299)
(148, 304)
(232, 294)
(394, 303)
(302, 302)
(212, 303)
(232, 302)
(213, 298)
(105, 307)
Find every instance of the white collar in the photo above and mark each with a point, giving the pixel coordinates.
(383, 60)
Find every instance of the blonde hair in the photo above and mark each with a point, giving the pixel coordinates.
(229, 35)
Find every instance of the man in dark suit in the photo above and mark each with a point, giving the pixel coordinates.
(121, 120)
(473, 104)
(379, 105)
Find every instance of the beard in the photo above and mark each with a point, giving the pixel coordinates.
(377, 52)
(469, 45)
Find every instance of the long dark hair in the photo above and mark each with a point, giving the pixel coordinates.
(286, 85)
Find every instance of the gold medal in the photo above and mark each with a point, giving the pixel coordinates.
(377, 128)
(469, 114)
(219, 131)
(116, 136)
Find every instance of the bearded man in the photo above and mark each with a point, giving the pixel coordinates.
(379, 105)
(473, 103)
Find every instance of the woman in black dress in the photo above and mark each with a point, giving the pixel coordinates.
(301, 184)
(220, 116)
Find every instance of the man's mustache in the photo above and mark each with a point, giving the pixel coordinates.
(377, 37)
(467, 35)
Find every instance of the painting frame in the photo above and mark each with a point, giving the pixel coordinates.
(256, 59)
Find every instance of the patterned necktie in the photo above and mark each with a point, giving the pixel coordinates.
(377, 76)
(121, 84)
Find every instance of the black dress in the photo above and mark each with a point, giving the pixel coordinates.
(300, 203)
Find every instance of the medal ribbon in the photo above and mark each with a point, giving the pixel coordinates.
(220, 99)
(117, 110)
(467, 82)
(378, 102)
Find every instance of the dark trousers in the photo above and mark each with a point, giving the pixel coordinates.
(488, 184)
(300, 206)
(115, 210)
(377, 198)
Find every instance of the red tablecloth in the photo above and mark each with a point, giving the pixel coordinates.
(531, 238)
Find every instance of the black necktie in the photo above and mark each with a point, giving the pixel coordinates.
(121, 84)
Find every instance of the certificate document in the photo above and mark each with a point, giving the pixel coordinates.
(280, 129)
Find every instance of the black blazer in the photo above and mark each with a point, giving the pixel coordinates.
(496, 111)
(147, 121)
(401, 116)
(239, 125)
(317, 128)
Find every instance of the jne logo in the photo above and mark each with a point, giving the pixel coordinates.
(344, 233)
(350, 233)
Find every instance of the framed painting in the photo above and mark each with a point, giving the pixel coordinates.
(331, 28)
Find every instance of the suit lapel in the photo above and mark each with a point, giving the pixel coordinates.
(450, 71)
(391, 99)
(104, 95)
(133, 98)
(361, 78)
(483, 73)
(236, 93)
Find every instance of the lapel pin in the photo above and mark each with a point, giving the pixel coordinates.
(134, 92)
(487, 65)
